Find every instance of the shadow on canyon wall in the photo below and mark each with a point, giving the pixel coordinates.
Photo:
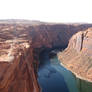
(40, 37)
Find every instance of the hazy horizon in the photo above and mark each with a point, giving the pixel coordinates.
(59, 11)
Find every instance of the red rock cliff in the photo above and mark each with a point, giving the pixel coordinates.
(78, 55)
(20, 45)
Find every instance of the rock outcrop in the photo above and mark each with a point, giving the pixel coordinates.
(77, 57)
(21, 42)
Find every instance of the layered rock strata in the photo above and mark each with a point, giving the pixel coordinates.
(21, 42)
(77, 57)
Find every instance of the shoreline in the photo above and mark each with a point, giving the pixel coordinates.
(66, 72)
(75, 74)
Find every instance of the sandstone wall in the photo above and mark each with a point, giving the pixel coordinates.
(78, 55)
(20, 48)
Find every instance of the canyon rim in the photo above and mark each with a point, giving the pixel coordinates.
(22, 41)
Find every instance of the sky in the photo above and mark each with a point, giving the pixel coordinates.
(47, 10)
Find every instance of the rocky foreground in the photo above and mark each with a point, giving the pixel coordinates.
(77, 57)
(21, 42)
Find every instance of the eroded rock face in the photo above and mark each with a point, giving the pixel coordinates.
(20, 45)
(79, 55)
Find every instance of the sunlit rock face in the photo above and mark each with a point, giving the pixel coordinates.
(79, 55)
(20, 45)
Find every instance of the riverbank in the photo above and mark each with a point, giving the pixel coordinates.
(68, 76)
(52, 71)
(52, 75)
(83, 84)
(49, 78)
(75, 74)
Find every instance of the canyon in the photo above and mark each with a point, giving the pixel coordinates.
(21, 42)
(77, 57)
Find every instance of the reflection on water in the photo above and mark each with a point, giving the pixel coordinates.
(53, 77)
(49, 78)
(84, 86)
(68, 76)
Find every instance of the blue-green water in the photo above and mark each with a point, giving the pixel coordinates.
(53, 77)
(68, 76)
(74, 84)
(84, 86)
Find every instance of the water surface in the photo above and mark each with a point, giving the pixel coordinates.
(53, 77)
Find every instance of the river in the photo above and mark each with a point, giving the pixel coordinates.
(53, 77)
